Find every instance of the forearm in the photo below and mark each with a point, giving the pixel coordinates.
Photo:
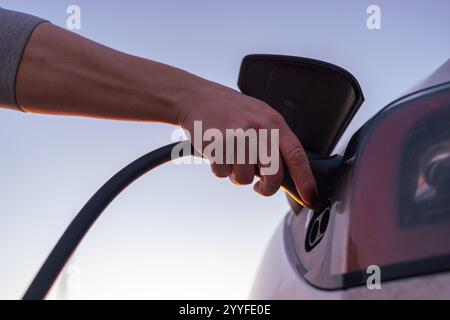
(64, 73)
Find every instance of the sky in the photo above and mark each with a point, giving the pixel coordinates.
(179, 232)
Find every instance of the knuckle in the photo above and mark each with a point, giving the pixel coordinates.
(271, 183)
(269, 187)
(220, 171)
(262, 191)
(243, 175)
(274, 179)
(277, 118)
(296, 156)
(220, 174)
(244, 180)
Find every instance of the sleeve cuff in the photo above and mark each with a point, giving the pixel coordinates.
(15, 31)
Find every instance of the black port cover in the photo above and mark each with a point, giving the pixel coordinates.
(317, 99)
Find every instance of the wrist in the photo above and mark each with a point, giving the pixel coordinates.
(193, 93)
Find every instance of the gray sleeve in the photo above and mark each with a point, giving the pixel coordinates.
(15, 30)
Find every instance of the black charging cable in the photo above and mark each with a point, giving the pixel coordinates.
(324, 168)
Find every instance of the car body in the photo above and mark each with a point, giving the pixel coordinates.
(385, 233)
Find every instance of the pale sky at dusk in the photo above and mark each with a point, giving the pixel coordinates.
(179, 232)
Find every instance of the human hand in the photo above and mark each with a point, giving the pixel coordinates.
(220, 108)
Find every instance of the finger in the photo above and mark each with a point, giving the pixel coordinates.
(297, 162)
(268, 185)
(242, 174)
(221, 170)
(244, 165)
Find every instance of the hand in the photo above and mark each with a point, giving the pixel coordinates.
(221, 108)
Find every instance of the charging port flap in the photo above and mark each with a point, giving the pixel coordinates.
(317, 99)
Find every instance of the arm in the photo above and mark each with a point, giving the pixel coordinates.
(63, 73)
